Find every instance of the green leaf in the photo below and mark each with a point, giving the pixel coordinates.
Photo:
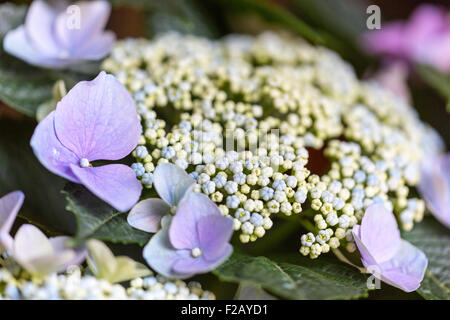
(439, 81)
(434, 240)
(20, 170)
(295, 277)
(275, 14)
(98, 220)
(182, 16)
(22, 87)
(343, 18)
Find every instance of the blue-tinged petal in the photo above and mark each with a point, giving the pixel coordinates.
(50, 152)
(116, 184)
(172, 183)
(200, 264)
(161, 255)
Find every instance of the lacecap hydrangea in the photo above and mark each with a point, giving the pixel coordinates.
(271, 125)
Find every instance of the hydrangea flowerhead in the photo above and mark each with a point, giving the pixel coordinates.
(41, 255)
(96, 120)
(9, 207)
(50, 37)
(435, 186)
(424, 38)
(195, 240)
(385, 254)
(172, 184)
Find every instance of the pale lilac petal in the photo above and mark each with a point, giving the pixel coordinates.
(172, 183)
(9, 207)
(30, 243)
(406, 269)
(93, 18)
(183, 230)
(97, 120)
(147, 214)
(434, 187)
(366, 257)
(161, 255)
(201, 265)
(116, 184)
(379, 232)
(214, 233)
(99, 47)
(50, 152)
(17, 44)
(59, 245)
(39, 26)
(34, 251)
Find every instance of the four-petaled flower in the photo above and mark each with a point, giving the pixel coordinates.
(390, 258)
(96, 120)
(435, 186)
(172, 184)
(195, 240)
(61, 35)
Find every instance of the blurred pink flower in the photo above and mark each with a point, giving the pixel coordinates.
(393, 77)
(424, 38)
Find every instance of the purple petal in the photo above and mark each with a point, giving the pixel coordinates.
(406, 269)
(116, 184)
(97, 120)
(59, 246)
(214, 233)
(34, 251)
(388, 40)
(172, 183)
(435, 187)
(201, 265)
(183, 229)
(39, 26)
(94, 16)
(17, 44)
(379, 232)
(425, 22)
(50, 152)
(147, 214)
(161, 255)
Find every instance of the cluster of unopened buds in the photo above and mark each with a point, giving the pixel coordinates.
(74, 285)
(251, 119)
